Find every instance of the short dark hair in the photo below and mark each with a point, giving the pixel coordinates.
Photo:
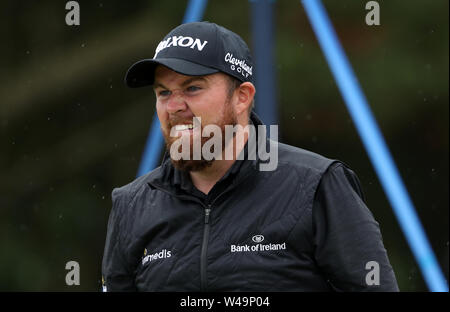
(233, 84)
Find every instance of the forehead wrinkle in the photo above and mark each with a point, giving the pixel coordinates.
(192, 79)
(186, 82)
(157, 84)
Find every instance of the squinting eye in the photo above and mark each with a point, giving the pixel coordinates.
(193, 88)
(164, 93)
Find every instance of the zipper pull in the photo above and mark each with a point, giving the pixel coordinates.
(207, 211)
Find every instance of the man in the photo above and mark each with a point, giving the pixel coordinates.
(202, 223)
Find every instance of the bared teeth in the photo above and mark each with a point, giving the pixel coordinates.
(184, 127)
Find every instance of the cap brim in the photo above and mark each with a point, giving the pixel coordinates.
(142, 73)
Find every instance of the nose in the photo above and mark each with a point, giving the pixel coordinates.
(176, 102)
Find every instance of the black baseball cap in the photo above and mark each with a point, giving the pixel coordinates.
(196, 49)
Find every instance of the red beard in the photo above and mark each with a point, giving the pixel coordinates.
(228, 118)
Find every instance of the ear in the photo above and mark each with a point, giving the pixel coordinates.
(245, 95)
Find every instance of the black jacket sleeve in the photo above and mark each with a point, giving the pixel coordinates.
(348, 244)
(116, 272)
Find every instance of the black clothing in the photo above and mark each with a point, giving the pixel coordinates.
(301, 227)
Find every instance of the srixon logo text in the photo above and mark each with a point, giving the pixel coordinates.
(180, 41)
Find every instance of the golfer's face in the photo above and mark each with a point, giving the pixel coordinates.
(180, 98)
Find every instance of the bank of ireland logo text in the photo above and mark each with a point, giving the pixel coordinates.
(258, 239)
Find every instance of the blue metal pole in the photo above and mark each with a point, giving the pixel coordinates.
(194, 11)
(153, 147)
(376, 147)
(263, 44)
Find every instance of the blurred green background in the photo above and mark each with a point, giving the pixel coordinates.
(71, 131)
